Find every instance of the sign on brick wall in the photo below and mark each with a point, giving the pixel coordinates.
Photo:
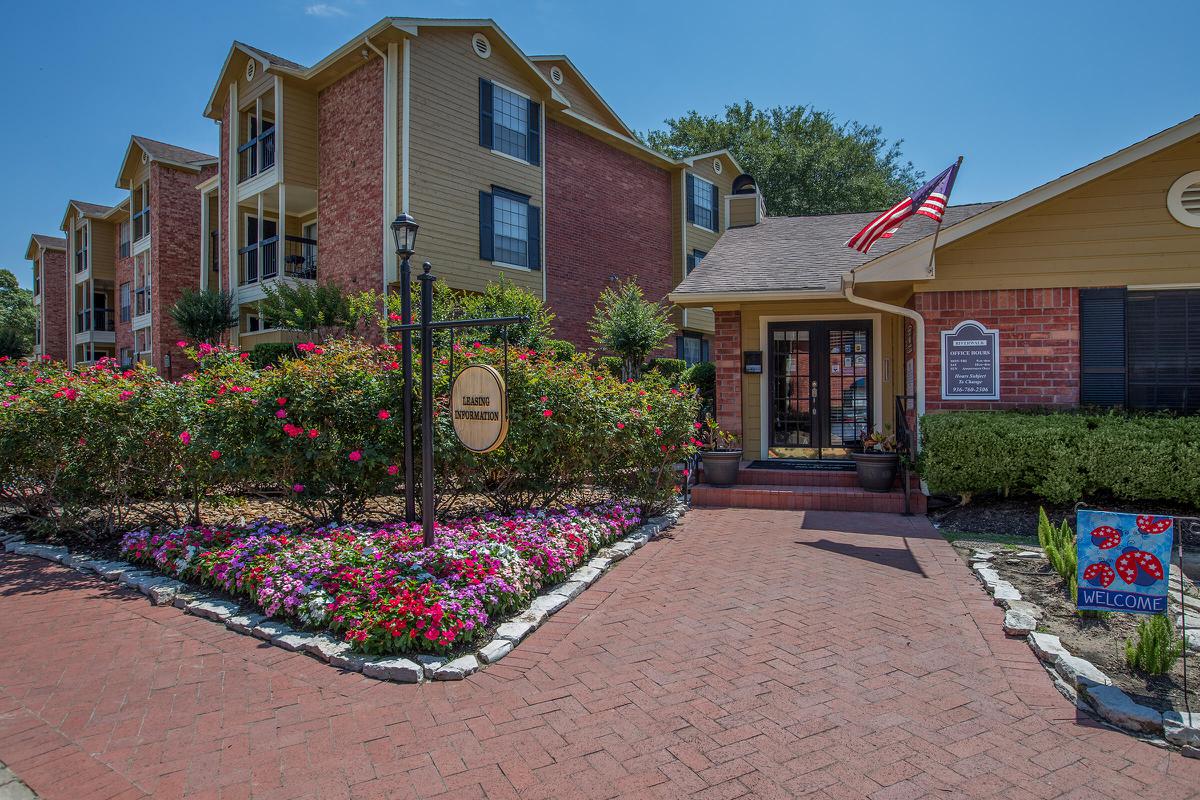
(971, 362)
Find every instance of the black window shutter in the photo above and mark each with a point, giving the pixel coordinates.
(691, 197)
(1102, 347)
(704, 350)
(534, 140)
(679, 347)
(716, 208)
(486, 242)
(691, 262)
(535, 238)
(485, 113)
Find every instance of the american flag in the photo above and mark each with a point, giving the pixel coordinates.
(930, 200)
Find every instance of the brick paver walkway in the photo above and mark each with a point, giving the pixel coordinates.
(754, 654)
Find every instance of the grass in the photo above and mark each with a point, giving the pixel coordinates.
(1009, 540)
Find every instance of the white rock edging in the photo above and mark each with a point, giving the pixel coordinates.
(163, 590)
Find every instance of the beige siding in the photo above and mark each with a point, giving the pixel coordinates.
(248, 90)
(697, 238)
(449, 168)
(299, 132)
(1113, 231)
(700, 320)
(141, 170)
(103, 246)
(583, 101)
(742, 211)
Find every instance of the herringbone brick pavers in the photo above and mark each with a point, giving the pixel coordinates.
(751, 654)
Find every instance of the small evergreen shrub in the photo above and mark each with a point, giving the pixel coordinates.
(560, 348)
(1157, 648)
(670, 368)
(612, 364)
(270, 354)
(703, 376)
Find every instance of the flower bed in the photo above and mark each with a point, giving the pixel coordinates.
(381, 589)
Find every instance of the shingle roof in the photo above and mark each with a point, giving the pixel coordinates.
(168, 152)
(50, 242)
(274, 60)
(91, 209)
(800, 253)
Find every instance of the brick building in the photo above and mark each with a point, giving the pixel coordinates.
(1083, 291)
(48, 254)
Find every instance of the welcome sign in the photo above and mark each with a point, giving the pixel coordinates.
(1124, 560)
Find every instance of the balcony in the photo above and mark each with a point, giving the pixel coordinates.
(257, 155)
(95, 320)
(81, 261)
(260, 262)
(141, 301)
(141, 224)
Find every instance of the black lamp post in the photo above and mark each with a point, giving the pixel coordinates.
(404, 232)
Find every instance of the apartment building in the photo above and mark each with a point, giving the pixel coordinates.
(87, 318)
(513, 165)
(48, 255)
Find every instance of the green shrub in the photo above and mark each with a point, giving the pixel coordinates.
(561, 349)
(612, 364)
(670, 368)
(631, 326)
(1157, 648)
(204, 316)
(703, 375)
(269, 354)
(1062, 457)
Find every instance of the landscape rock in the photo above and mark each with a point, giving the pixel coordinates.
(216, 610)
(400, 670)
(588, 575)
(163, 593)
(515, 631)
(11, 545)
(1032, 609)
(457, 669)
(1192, 638)
(322, 645)
(351, 661)
(571, 589)
(139, 580)
(292, 641)
(1119, 708)
(268, 629)
(432, 664)
(532, 616)
(184, 598)
(244, 623)
(601, 563)
(495, 650)
(983, 555)
(549, 603)
(114, 570)
(1003, 591)
(624, 548)
(988, 575)
(1031, 554)
(1047, 646)
(48, 552)
(1079, 672)
(1182, 728)
(1018, 623)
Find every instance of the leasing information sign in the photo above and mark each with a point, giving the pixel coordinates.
(478, 408)
(971, 362)
(1123, 561)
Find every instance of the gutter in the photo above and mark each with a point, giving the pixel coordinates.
(918, 335)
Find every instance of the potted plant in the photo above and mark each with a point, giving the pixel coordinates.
(878, 462)
(720, 453)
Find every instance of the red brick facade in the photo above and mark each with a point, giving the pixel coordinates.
(54, 316)
(1039, 343)
(350, 198)
(124, 273)
(727, 356)
(607, 213)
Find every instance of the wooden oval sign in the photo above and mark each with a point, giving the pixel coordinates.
(479, 409)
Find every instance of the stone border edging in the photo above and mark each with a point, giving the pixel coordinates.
(1078, 679)
(162, 590)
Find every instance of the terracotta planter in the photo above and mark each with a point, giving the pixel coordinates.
(721, 466)
(876, 471)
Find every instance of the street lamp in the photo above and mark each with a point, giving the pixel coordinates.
(404, 233)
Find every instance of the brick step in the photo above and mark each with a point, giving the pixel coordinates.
(797, 498)
(797, 477)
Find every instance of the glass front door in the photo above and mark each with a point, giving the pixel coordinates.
(819, 380)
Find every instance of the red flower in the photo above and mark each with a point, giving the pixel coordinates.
(547, 413)
(393, 469)
(313, 433)
(383, 415)
(281, 414)
(355, 455)
(620, 426)
(214, 455)
(281, 401)
(185, 437)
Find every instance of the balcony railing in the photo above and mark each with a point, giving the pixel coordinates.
(259, 262)
(94, 319)
(141, 224)
(257, 155)
(141, 301)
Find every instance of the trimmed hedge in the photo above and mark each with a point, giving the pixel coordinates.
(270, 354)
(703, 375)
(669, 368)
(1062, 457)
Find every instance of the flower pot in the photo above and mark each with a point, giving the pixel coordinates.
(721, 466)
(876, 471)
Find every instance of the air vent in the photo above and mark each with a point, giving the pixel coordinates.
(717, 166)
(250, 67)
(1183, 199)
(481, 45)
(556, 75)
(145, 157)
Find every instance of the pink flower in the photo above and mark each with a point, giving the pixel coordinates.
(547, 413)
(697, 425)
(125, 395)
(313, 433)
(214, 455)
(393, 469)
(306, 347)
(181, 343)
(356, 456)
(658, 431)
(297, 487)
(544, 398)
(281, 414)
(185, 437)
(620, 426)
(394, 317)
(383, 415)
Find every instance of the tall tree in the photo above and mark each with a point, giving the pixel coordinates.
(18, 313)
(804, 161)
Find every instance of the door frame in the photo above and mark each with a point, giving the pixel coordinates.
(764, 388)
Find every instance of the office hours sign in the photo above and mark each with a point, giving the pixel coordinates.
(971, 362)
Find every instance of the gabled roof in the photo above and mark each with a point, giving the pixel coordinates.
(691, 160)
(797, 255)
(1048, 191)
(40, 241)
(88, 210)
(588, 88)
(163, 153)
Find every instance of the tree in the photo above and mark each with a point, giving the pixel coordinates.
(204, 316)
(314, 310)
(628, 324)
(804, 161)
(18, 315)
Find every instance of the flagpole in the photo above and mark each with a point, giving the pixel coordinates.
(938, 229)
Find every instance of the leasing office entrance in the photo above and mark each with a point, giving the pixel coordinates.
(819, 386)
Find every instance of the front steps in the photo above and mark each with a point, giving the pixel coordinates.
(803, 490)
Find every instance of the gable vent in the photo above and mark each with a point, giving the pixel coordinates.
(1183, 199)
(250, 67)
(717, 166)
(556, 75)
(145, 157)
(481, 45)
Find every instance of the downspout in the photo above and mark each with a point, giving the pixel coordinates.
(918, 335)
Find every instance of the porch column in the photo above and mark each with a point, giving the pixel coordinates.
(727, 356)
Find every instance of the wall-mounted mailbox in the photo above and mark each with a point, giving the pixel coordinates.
(752, 362)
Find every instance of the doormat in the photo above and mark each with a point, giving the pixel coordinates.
(803, 465)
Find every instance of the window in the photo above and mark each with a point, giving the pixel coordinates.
(126, 356)
(126, 294)
(37, 277)
(694, 258)
(253, 323)
(81, 248)
(509, 122)
(257, 153)
(1140, 349)
(691, 347)
(702, 206)
(509, 229)
(260, 255)
(124, 239)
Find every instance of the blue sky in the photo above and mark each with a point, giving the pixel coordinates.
(1024, 90)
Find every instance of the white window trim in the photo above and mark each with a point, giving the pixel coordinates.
(713, 185)
(506, 265)
(511, 157)
(508, 88)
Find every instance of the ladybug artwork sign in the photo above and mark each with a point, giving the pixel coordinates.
(1123, 561)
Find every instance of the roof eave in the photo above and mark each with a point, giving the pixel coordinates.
(753, 295)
